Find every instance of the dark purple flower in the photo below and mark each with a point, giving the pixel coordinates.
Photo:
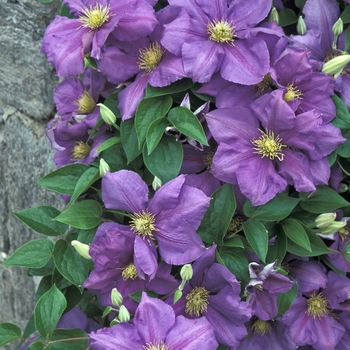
(213, 292)
(171, 217)
(155, 326)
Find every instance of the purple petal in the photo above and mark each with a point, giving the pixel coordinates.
(145, 258)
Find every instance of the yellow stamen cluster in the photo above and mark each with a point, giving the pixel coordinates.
(264, 84)
(221, 32)
(317, 306)
(156, 346)
(129, 273)
(94, 17)
(80, 150)
(197, 301)
(269, 146)
(150, 58)
(343, 233)
(208, 159)
(85, 104)
(292, 93)
(235, 226)
(261, 327)
(143, 224)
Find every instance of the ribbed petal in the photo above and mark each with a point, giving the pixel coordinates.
(145, 257)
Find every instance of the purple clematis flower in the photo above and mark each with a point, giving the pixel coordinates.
(155, 326)
(213, 292)
(214, 37)
(171, 217)
(263, 289)
(68, 40)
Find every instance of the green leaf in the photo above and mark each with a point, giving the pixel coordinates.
(90, 176)
(178, 86)
(166, 159)
(30, 327)
(344, 149)
(347, 39)
(63, 180)
(36, 253)
(323, 200)
(285, 300)
(84, 215)
(149, 110)
(48, 311)
(296, 233)
(318, 247)
(137, 295)
(68, 339)
(342, 119)
(70, 264)
(287, 17)
(257, 236)
(278, 249)
(112, 102)
(234, 241)
(107, 144)
(40, 220)
(345, 15)
(46, 270)
(129, 139)
(187, 123)
(300, 4)
(276, 209)
(332, 158)
(345, 165)
(65, 12)
(218, 216)
(155, 133)
(347, 251)
(9, 332)
(37, 345)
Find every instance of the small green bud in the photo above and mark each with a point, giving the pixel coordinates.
(301, 26)
(104, 167)
(323, 220)
(336, 65)
(177, 295)
(333, 227)
(343, 188)
(114, 322)
(116, 297)
(82, 249)
(186, 272)
(273, 16)
(338, 27)
(157, 183)
(107, 115)
(124, 315)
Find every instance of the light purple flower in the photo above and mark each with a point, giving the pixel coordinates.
(155, 326)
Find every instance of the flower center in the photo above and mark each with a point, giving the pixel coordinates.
(221, 31)
(268, 145)
(208, 159)
(150, 58)
(156, 346)
(235, 226)
(85, 104)
(264, 84)
(130, 273)
(292, 93)
(94, 17)
(143, 224)
(197, 301)
(261, 327)
(80, 150)
(317, 306)
(343, 233)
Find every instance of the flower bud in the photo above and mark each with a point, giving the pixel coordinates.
(104, 167)
(343, 188)
(301, 26)
(273, 16)
(124, 315)
(333, 227)
(107, 115)
(116, 297)
(177, 295)
(323, 220)
(336, 65)
(82, 249)
(186, 272)
(338, 27)
(157, 183)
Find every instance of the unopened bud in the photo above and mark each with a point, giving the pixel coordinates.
(104, 167)
(338, 27)
(124, 315)
(273, 16)
(336, 65)
(301, 26)
(343, 188)
(82, 249)
(186, 272)
(323, 220)
(116, 297)
(333, 227)
(107, 115)
(177, 295)
(157, 183)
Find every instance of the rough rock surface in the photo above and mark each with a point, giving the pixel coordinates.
(26, 84)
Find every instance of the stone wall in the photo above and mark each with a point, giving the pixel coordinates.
(26, 84)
